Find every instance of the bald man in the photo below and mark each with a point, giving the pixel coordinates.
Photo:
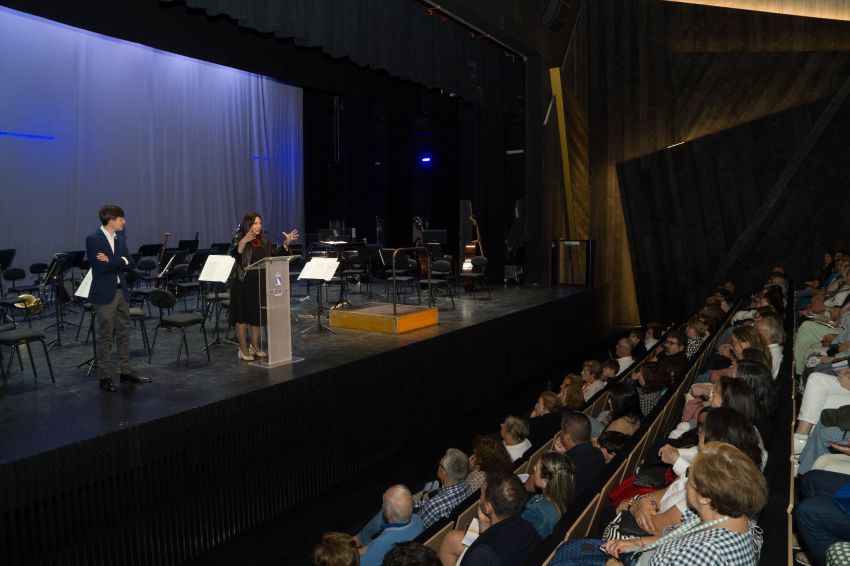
(396, 523)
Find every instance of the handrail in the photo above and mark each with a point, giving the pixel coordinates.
(428, 256)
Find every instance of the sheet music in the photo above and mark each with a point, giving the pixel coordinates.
(217, 268)
(85, 286)
(320, 268)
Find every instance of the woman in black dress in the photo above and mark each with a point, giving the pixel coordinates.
(250, 246)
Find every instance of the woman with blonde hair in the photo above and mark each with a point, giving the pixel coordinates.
(571, 395)
(726, 490)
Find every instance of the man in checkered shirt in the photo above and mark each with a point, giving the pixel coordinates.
(454, 466)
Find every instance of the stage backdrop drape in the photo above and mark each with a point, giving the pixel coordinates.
(182, 145)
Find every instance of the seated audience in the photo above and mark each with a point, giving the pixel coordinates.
(820, 521)
(452, 472)
(610, 443)
(726, 491)
(411, 554)
(673, 360)
(545, 418)
(610, 369)
(488, 455)
(697, 331)
(514, 433)
(651, 386)
(834, 426)
(814, 335)
(571, 394)
(624, 414)
(636, 337)
(504, 538)
(652, 335)
(400, 524)
(819, 388)
(655, 511)
(574, 442)
(552, 480)
(591, 376)
(336, 549)
(773, 334)
(623, 351)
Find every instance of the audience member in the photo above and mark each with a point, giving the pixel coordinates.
(610, 443)
(574, 441)
(452, 472)
(591, 376)
(651, 386)
(652, 335)
(514, 433)
(411, 554)
(488, 455)
(545, 418)
(623, 351)
(571, 394)
(336, 549)
(671, 363)
(553, 483)
(697, 331)
(400, 525)
(636, 337)
(504, 537)
(610, 370)
(624, 414)
(820, 520)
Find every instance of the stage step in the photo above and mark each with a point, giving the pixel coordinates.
(380, 318)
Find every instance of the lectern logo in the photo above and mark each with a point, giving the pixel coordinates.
(277, 291)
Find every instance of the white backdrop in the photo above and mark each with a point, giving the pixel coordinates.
(181, 145)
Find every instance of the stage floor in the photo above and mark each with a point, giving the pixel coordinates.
(39, 417)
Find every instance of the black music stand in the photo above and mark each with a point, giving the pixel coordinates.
(219, 248)
(217, 269)
(319, 270)
(150, 250)
(190, 246)
(55, 274)
(6, 258)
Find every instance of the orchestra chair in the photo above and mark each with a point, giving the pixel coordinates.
(479, 273)
(137, 315)
(14, 274)
(15, 338)
(163, 299)
(185, 285)
(146, 266)
(441, 271)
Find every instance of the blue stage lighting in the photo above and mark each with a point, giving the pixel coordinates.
(29, 136)
(426, 159)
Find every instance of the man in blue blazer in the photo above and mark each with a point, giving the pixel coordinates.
(109, 258)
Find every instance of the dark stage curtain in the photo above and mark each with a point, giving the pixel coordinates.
(397, 36)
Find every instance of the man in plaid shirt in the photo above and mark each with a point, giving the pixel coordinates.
(454, 466)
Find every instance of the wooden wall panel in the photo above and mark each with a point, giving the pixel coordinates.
(831, 9)
(631, 113)
(709, 29)
(717, 91)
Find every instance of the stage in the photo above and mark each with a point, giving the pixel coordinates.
(159, 473)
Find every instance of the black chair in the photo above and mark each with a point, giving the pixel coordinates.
(183, 283)
(146, 266)
(14, 274)
(441, 272)
(479, 273)
(38, 269)
(137, 315)
(163, 299)
(15, 338)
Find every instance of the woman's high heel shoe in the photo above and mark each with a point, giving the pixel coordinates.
(242, 356)
(257, 353)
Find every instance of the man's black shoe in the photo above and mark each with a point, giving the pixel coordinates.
(134, 378)
(107, 385)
